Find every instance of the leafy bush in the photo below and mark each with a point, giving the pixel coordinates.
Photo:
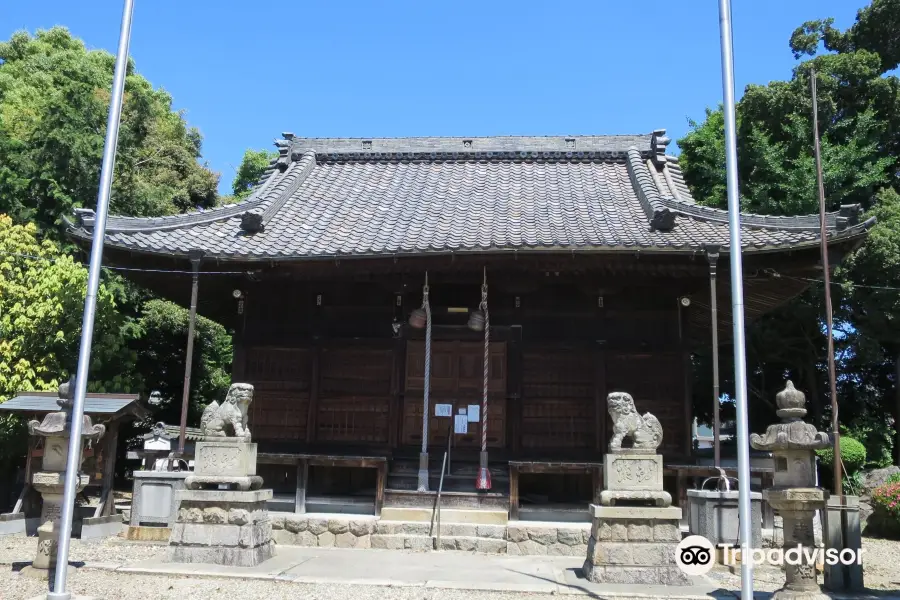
(895, 478)
(885, 518)
(853, 455)
(854, 484)
(877, 435)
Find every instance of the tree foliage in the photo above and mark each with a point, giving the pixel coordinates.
(249, 173)
(859, 120)
(54, 99)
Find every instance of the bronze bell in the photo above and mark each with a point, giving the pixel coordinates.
(476, 320)
(418, 318)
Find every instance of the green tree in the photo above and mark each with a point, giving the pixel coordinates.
(54, 98)
(859, 116)
(254, 163)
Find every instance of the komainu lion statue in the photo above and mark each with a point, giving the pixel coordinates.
(645, 432)
(228, 419)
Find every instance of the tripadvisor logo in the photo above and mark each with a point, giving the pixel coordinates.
(695, 555)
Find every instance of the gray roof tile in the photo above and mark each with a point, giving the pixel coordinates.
(341, 197)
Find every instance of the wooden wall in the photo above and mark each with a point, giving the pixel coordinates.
(554, 357)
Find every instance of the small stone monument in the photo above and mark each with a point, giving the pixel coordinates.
(51, 479)
(222, 516)
(794, 495)
(635, 530)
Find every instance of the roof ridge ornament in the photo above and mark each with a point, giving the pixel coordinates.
(658, 144)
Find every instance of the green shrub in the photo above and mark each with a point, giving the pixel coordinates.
(885, 518)
(895, 478)
(854, 484)
(853, 455)
(876, 434)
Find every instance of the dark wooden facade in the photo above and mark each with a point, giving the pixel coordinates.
(335, 364)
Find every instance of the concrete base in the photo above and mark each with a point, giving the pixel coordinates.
(842, 530)
(223, 528)
(148, 534)
(632, 470)
(12, 524)
(101, 527)
(634, 545)
(714, 515)
(33, 572)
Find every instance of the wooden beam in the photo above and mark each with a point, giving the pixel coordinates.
(513, 493)
(395, 410)
(302, 483)
(514, 387)
(380, 480)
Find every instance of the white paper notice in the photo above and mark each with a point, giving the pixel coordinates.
(443, 410)
(461, 424)
(474, 413)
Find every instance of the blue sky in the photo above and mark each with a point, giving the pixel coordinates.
(246, 71)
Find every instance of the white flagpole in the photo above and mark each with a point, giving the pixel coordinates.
(737, 299)
(90, 305)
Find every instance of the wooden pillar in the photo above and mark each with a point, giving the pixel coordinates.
(687, 373)
(600, 399)
(380, 481)
(513, 493)
(395, 411)
(302, 483)
(313, 414)
(110, 441)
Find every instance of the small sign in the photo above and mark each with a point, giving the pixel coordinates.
(474, 413)
(443, 410)
(461, 424)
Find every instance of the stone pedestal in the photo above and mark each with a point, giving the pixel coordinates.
(634, 544)
(633, 478)
(224, 461)
(714, 515)
(222, 527)
(51, 485)
(798, 506)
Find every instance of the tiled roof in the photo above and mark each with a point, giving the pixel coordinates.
(324, 198)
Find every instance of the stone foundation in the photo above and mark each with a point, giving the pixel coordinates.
(634, 545)
(519, 539)
(222, 527)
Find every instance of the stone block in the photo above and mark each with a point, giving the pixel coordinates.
(569, 537)
(255, 534)
(345, 540)
(235, 557)
(362, 528)
(618, 532)
(225, 458)
(317, 526)
(517, 533)
(490, 546)
(215, 514)
(714, 515)
(512, 549)
(338, 527)
(625, 471)
(461, 530)
(238, 516)
(466, 544)
(613, 554)
(666, 532)
(496, 532)
(418, 543)
(387, 528)
(631, 513)
(326, 539)
(640, 531)
(416, 529)
(93, 528)
(364, 542)
(651, 554)
(532, 548)
(296, 523)
(12, 524)
(639, 575)
(388, 542)
(543, 535)
(277, 520)
(449, 543)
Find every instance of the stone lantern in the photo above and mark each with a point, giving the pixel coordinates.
(50, 480)
(794, 495)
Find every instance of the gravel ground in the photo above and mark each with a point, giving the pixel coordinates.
(880, 560)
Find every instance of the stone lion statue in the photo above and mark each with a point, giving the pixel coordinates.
(228, 419)
(645, 432)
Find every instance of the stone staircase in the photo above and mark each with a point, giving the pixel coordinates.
(404, 475)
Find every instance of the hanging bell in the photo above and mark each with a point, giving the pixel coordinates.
(418, 318)
(476, 320)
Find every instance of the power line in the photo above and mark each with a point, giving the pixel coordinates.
(838, 283)
(175, 271)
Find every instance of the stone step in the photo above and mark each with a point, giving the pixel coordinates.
(425, 543)
(414, 528)
(448, 515)
(449, 499)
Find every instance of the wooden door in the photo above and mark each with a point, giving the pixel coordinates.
(457, 379)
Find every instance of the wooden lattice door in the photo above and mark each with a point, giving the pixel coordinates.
(457, 379)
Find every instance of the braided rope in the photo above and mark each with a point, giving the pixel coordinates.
(487, 357)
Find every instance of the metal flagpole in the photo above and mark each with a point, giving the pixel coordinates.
(90, 304)
(737, 298)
